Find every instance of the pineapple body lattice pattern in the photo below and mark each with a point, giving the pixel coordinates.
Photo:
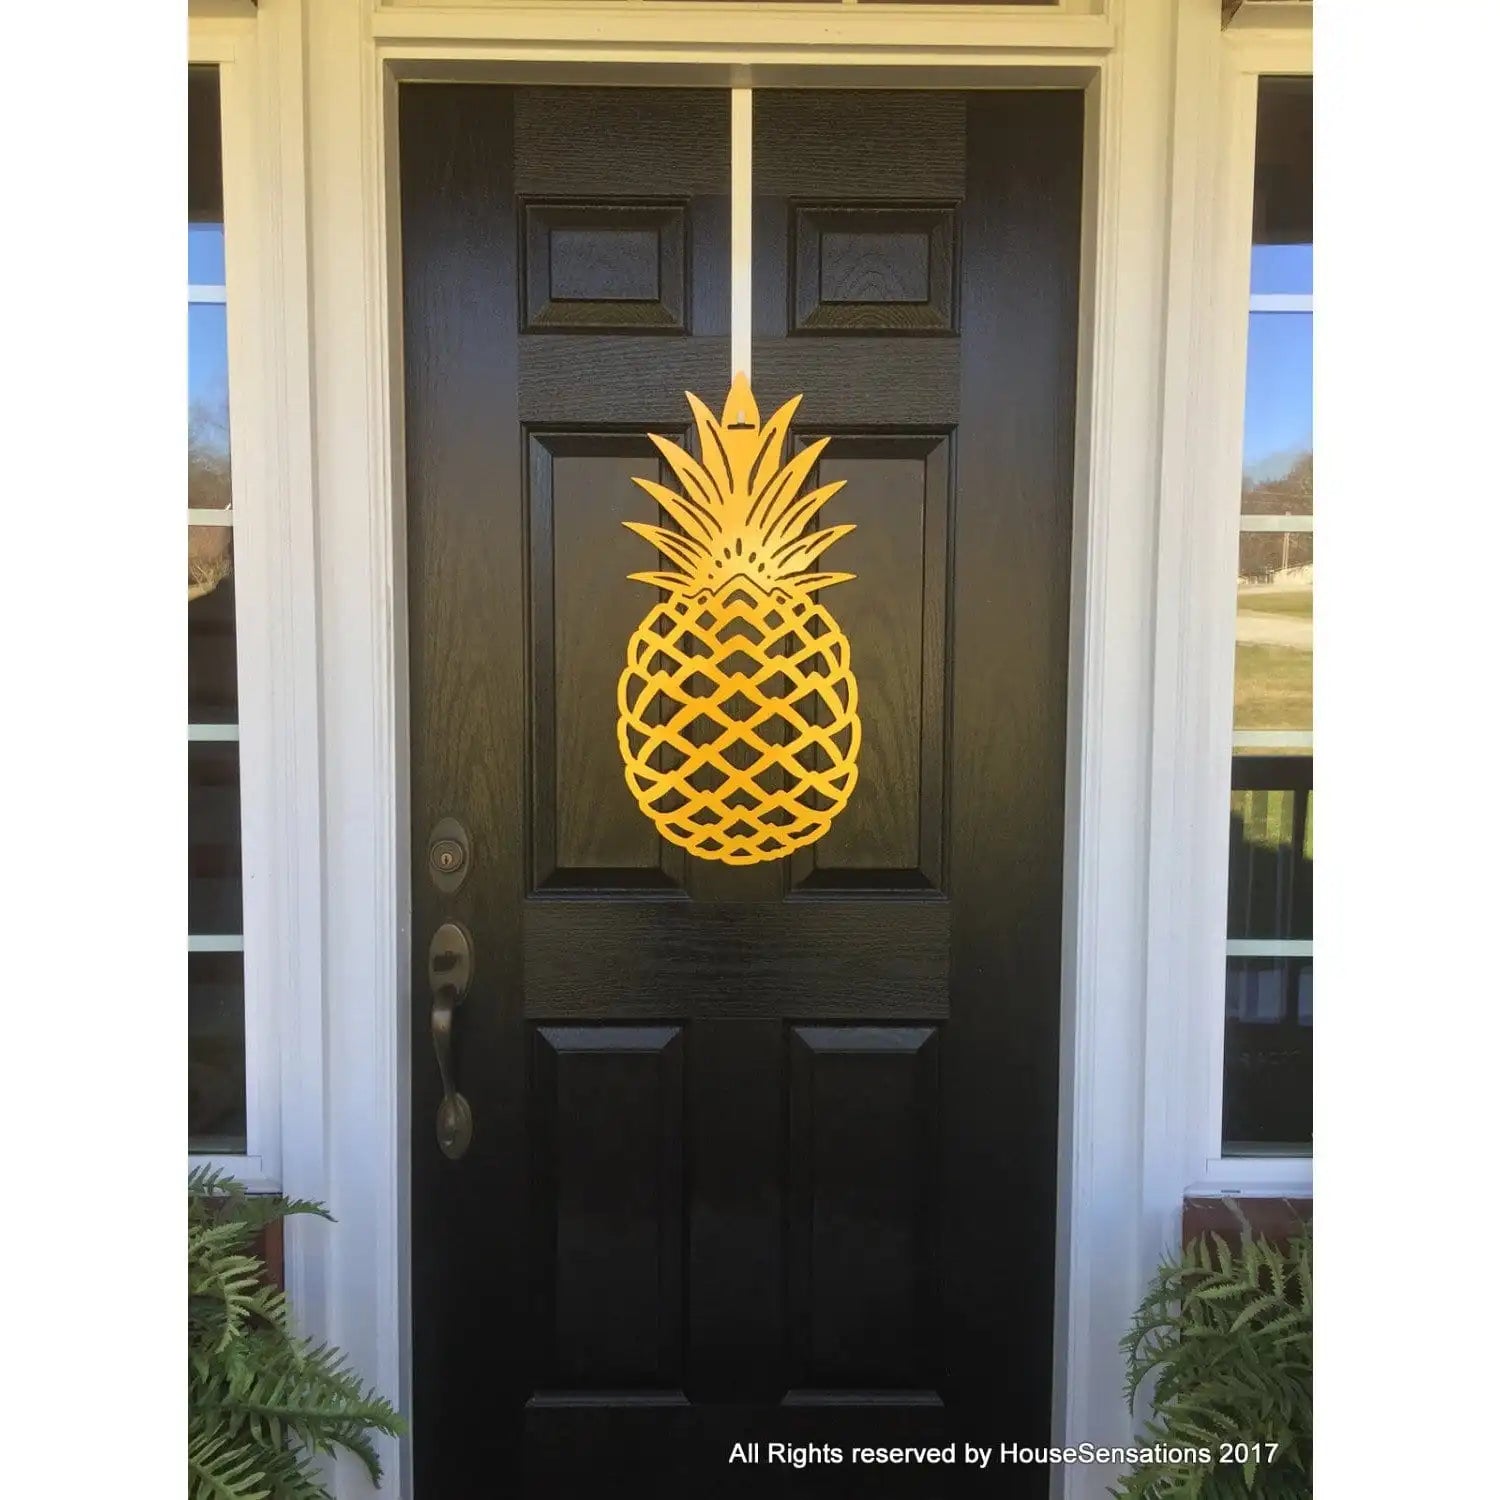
(739, 723)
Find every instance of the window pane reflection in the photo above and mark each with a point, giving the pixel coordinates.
(208, 407)
(1268, 1054)
(205, 180)
(216, 983)
(1278, 461)
(1271, 847)
(1273, 633)
(1268, 1009)
(213, 695)
(214, 899)
(210, 562)
(1281, 268)
(205, 154)
(216, 1053)
(205, 255)
(1281, 255)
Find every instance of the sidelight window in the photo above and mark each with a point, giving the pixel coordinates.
(1269, 971)
(216, 989)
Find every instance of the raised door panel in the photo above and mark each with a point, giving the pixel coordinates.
(587, 832)
(606, 267)
(624, 299)
(897, 494)
(607, 1238)
(861, 1255)
(872, 269)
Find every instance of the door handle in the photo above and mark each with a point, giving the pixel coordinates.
(450, 967)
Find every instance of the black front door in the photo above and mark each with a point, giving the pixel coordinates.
(763, 1153)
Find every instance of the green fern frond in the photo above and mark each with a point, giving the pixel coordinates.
(262, 1402)
(1223, 1340)
(219, 1469)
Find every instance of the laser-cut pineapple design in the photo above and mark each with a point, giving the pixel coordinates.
(739, 723)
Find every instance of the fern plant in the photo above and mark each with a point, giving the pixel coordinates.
(1226, 1333)
(262, 1402)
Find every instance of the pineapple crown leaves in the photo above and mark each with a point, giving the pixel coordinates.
(741, 510)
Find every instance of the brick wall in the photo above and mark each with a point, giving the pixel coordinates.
(1275, 1218)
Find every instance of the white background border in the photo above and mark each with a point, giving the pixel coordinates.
(93, 676)
(1139, 1005)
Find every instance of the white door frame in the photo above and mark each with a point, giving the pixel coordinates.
(1151, 71)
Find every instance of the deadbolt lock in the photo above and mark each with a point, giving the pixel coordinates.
(448, 855)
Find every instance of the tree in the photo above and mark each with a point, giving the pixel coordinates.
(1264, 554)
(210, 554)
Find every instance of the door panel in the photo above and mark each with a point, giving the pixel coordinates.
(979, 194)
(609, 1215)
(861, 1231)
(897, 492)
(587, 831)
(762, 1152)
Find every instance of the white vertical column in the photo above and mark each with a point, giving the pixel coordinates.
(740, 137)
(361, 642)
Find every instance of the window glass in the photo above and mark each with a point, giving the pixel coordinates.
(208, 407)
(216, 1052)
(1268, 1056)
(1281, 253)
(205, 254)
(216, 991)
(1271, 848)
(1273, 632)
(214, 891)
(1269, 964)
(1279, 415)
(213, 691)
(205, 155)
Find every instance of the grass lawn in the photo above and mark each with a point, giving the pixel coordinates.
(1273, 679)
(1268, 820)
(1274, 601)
(1272, 687)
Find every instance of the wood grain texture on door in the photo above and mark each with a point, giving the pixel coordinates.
(761, 1153)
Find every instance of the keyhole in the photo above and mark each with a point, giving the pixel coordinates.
(447, 857)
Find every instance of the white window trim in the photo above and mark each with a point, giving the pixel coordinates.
(1146, 860)
(1276, 523)
(1251, 56)
(1255, 1177)
(1271, 739)
(274, 599)
(230, 47)
(1281, 302)
(207, 942)
(1269, 948)
(1194, 734)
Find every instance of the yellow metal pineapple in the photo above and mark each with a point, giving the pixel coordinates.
(739, 721)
